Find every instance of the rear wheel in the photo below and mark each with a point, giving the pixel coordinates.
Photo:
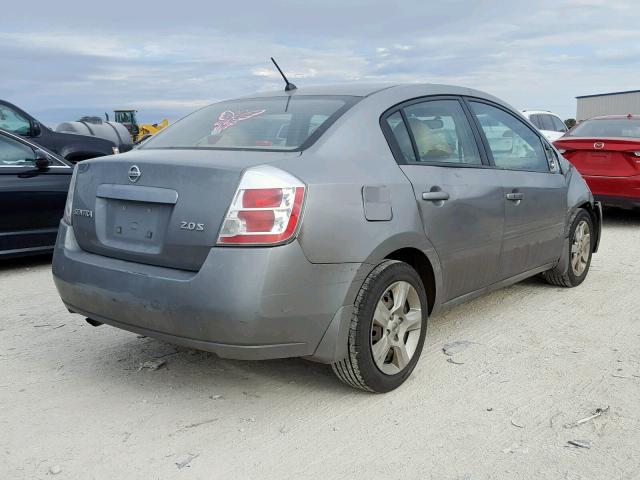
(581, 238)
(387, 329)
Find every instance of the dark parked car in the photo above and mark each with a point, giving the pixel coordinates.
(33, 190)
(70, 146)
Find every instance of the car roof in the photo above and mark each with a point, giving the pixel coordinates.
(539, 112)
(361, 89)
(336, 89)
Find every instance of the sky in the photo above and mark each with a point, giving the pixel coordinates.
(65, 59)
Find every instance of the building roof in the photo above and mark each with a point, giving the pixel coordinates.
(607, 94)
(615, 117)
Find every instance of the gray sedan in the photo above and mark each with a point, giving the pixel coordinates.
(324, 222)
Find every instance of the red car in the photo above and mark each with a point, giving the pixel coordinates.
(606, 151)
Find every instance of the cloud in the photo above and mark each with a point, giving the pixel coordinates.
(168, 61)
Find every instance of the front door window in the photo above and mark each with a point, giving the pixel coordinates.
(15, 154)
(513, 144)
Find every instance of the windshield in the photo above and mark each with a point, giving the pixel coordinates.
(623, 127)
(272, 123)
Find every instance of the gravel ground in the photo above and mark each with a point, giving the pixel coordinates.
(74, 403)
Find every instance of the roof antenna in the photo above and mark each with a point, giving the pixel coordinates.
(290, 86)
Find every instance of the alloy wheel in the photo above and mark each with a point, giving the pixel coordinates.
(580, 248)
(396, 326)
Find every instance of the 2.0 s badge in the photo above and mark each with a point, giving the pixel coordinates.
(192, 226)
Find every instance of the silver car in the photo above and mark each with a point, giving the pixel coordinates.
(324, 222)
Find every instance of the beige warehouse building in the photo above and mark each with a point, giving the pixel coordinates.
(616, 103)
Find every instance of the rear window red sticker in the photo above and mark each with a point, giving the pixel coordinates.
(229, 118)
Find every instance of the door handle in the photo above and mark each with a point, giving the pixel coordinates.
(435, 196)
(515, 196)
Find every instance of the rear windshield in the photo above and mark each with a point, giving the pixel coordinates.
(271, 123)
(624, 127)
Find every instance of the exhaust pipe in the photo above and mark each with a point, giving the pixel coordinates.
(93, 323)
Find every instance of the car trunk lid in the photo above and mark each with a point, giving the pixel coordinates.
(611, 157)
(159, 207)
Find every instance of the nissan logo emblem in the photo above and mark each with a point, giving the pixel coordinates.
(134, 174)
(598, 145)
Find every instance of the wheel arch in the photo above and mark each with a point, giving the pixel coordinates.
(415, 249)
(579, 196)
(595, 212)
(420, 263)
(411, 247)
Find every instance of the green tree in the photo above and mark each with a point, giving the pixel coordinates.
(570, 122)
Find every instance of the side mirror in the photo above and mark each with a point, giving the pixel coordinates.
(42, 161)
(36, 129)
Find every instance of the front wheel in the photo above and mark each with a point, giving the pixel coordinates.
(581, 238)
(387, 329)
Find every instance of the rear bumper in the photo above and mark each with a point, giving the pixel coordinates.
(244, 303)
(617, 191)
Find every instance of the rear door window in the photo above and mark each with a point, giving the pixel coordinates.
(513, 144)
(272, 123)
(441, 133)
(401, 137)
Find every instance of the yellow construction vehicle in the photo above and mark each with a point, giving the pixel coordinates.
(139, 132)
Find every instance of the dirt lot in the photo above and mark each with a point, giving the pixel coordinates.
(75, 405)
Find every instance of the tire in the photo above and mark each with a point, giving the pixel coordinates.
(384, 288)
(568, 275)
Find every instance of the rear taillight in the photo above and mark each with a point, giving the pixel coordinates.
(266, 209)
(635, 158)
(68, 207)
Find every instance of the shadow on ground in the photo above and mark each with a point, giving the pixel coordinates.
(117, 358)
(19, 263)
(124, 362)
(618, 217)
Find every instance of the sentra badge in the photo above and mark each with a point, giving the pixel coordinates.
(82, 213)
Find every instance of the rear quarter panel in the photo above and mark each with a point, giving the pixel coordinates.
(353, 154)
